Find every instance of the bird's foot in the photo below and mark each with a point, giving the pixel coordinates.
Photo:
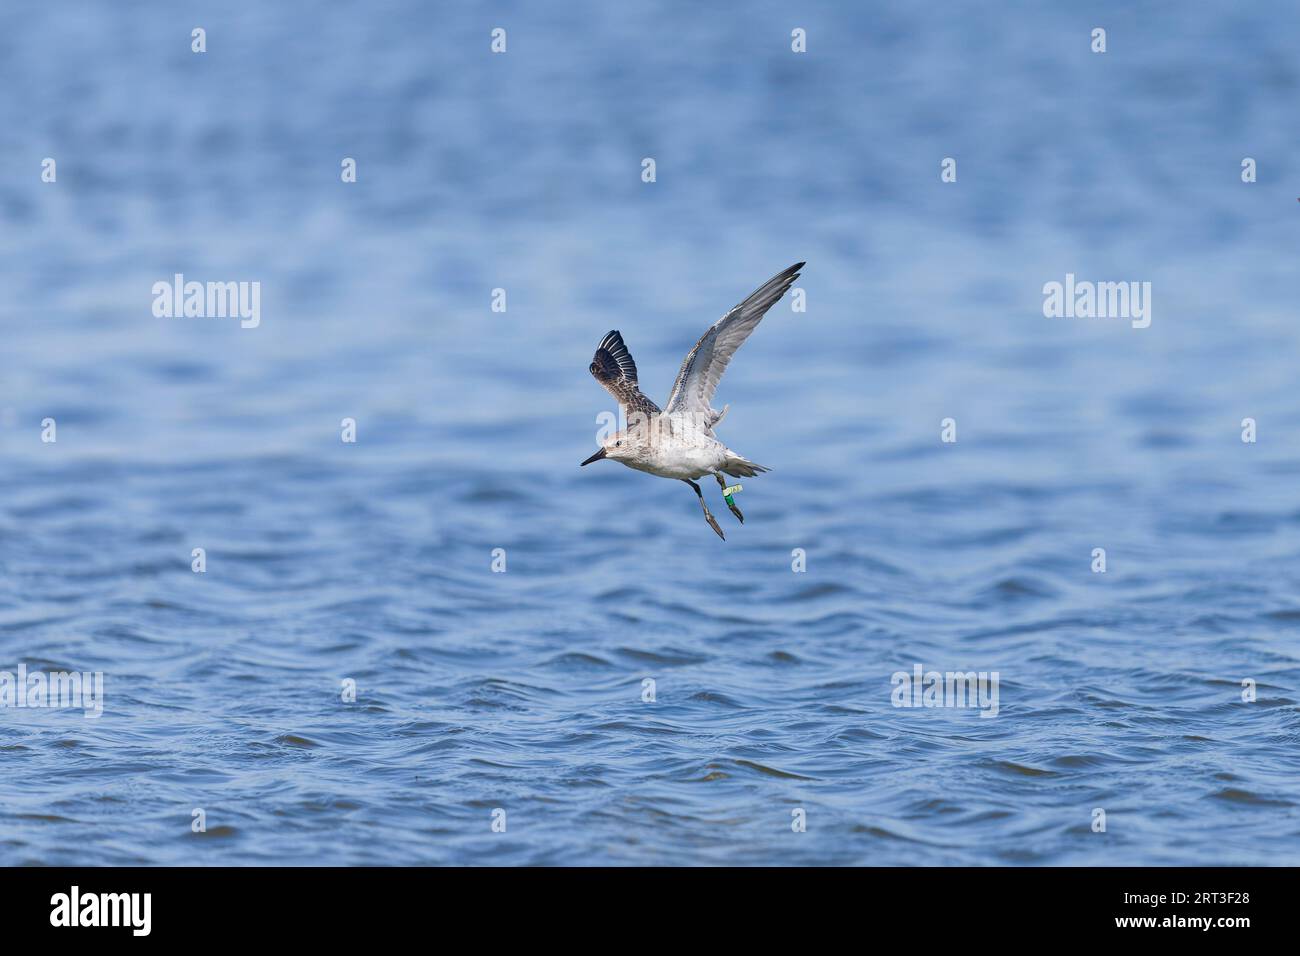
(727, 496)
(708, 515)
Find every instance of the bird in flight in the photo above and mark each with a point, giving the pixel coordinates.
(678, 441)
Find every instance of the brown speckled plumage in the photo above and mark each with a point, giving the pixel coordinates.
(613, 368)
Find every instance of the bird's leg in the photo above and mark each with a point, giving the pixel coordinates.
(708, 516)
(731, 502)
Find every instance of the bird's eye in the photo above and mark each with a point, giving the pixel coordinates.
(617, 443)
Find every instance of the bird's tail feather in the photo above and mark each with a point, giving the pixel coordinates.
(738, 467)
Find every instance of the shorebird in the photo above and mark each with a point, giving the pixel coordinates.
(678, 441)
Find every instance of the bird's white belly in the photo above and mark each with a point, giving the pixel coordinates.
(682, 459)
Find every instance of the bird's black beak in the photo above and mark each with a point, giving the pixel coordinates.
(596, 457)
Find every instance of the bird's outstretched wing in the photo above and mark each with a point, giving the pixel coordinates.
(613, 367)
(702, 370)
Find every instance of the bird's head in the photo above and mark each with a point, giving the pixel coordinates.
(617, 448)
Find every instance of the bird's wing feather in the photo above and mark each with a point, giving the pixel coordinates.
(613, 368)
(702, 370)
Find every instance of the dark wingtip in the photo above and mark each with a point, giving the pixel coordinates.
(790, 274)
(613, 360)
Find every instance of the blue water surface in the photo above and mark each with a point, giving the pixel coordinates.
(524, 691)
